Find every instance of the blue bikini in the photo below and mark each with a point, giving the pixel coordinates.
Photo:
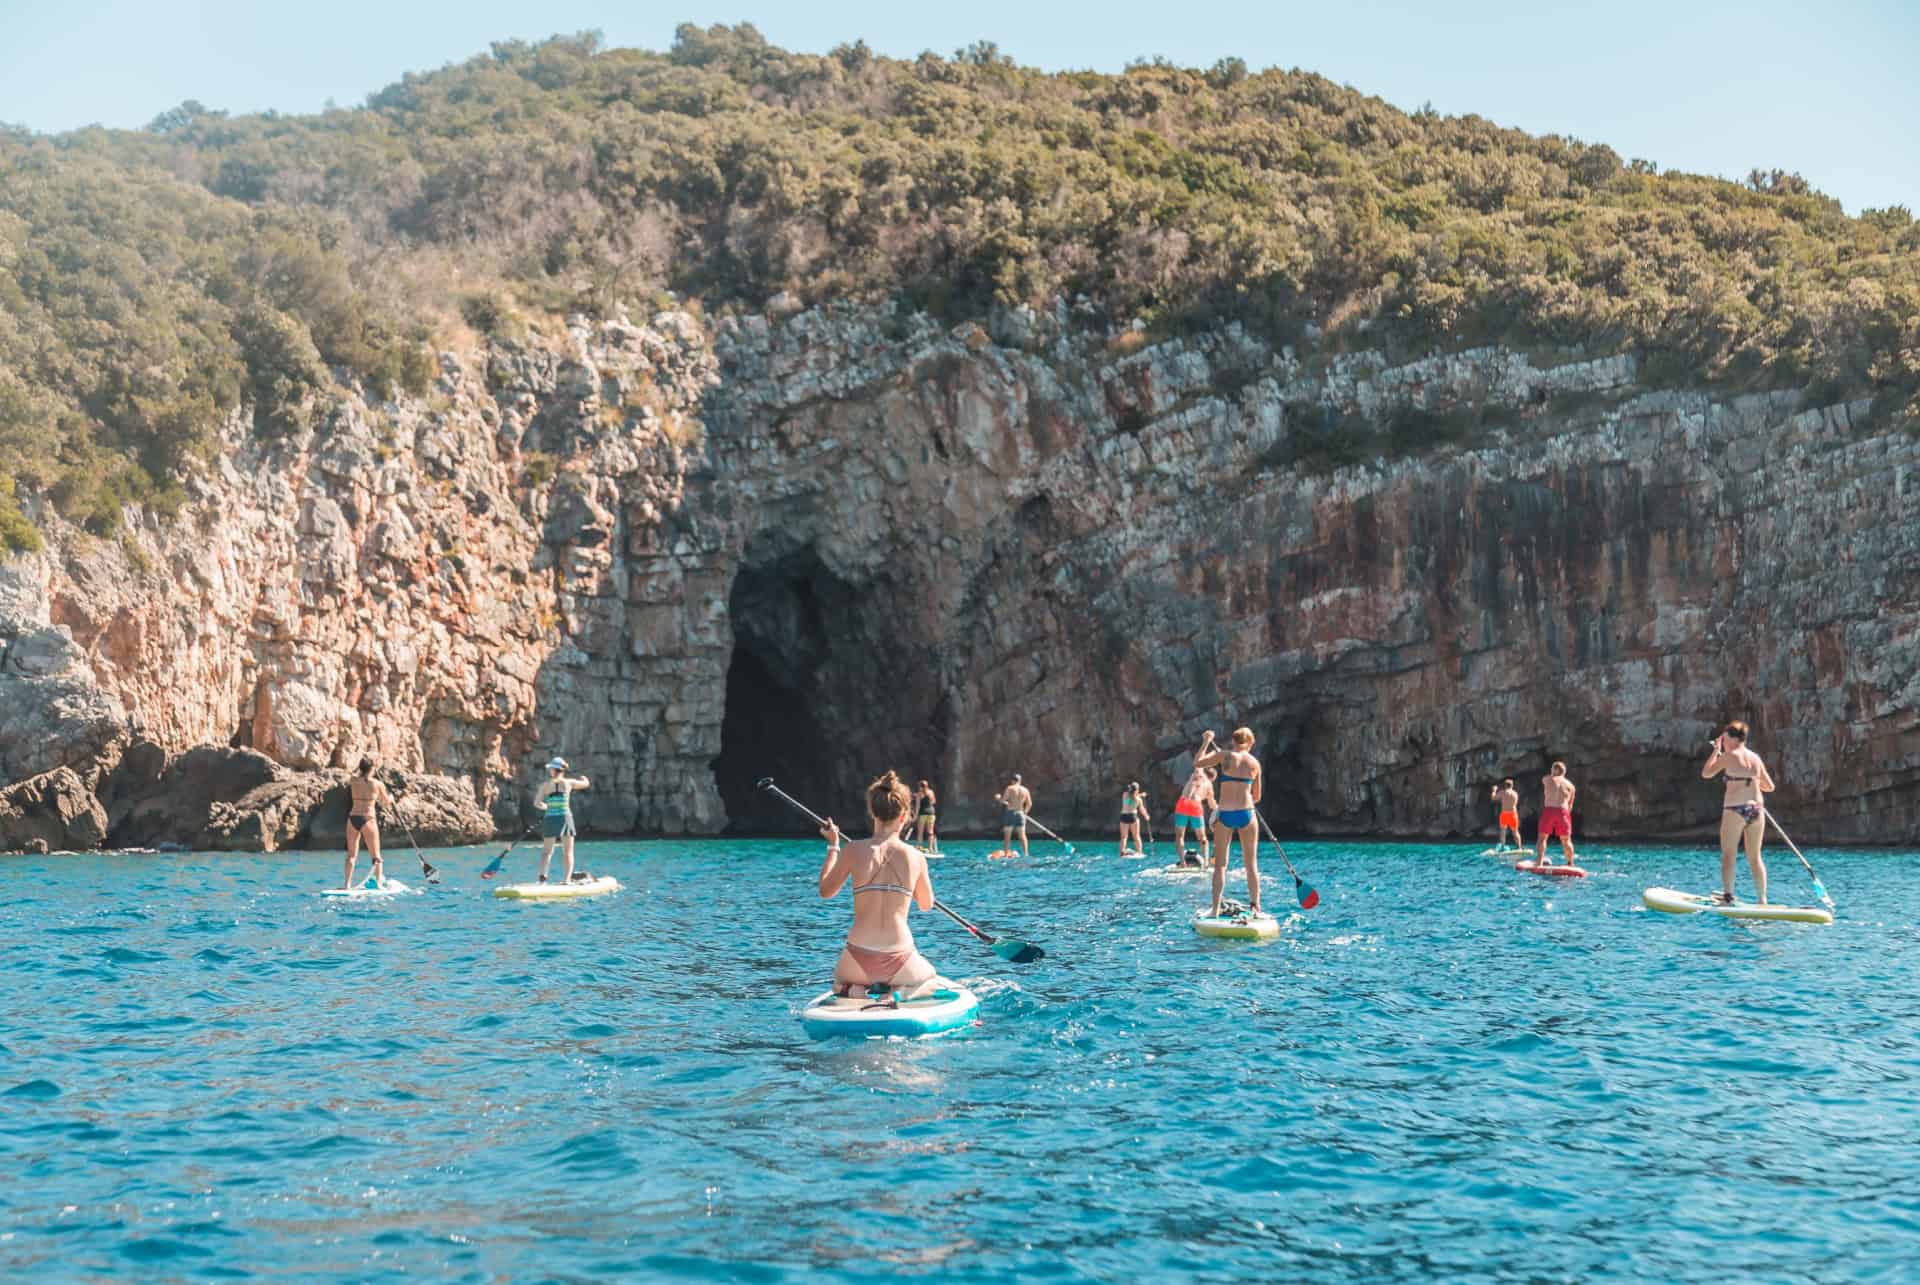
(1235, 818)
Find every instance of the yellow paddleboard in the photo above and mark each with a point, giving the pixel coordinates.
(1689, 903)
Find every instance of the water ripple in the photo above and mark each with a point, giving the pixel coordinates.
(1448, 1070)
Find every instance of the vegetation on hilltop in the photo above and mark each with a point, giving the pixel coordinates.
(154, 280)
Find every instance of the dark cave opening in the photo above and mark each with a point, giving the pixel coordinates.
(768, 729)
(826, 689)
(1285, 751)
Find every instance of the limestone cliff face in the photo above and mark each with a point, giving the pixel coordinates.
(823, 543)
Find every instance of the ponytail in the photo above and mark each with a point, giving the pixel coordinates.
(888, 798)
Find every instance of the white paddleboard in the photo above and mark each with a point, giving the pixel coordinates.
(1244, 925)
(862, 1017)
(558, 891)
(391, 888)
(1688, 903)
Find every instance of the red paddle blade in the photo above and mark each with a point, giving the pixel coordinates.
(1308, 897)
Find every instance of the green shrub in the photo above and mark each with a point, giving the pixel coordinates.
(539, 468)
(151, 281)
(17, 530)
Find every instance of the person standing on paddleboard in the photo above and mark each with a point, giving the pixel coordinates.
(1190, 813)
(1556, 813)
(1743, 812)
(1506, 802)
(1015, 802)
(556, 819)
(364, 796)
(889, 878)
(1239, 796)
(1132, 807)
(927, 803)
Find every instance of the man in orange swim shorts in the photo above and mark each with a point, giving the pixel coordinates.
(1507, 802)
(1556, 813)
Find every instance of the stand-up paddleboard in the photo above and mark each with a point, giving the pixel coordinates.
(1237, 923)
(1004, 854)
(391, 888)
(1552, 872)
(1133, 856)
(558, 891)
(866, 1017)
(1503, 852)
(1688, 903)
(1177, 871)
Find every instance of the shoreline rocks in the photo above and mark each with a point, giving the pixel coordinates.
(53, 811)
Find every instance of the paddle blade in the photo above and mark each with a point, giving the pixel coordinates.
(493, 867)
(1308, 897)
(1018, 952)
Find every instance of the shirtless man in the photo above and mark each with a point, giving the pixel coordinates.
(1506, 802)
(1190, 813)
(1015, 803)
(1556, 813)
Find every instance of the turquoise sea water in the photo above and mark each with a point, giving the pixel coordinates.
(1448, 1070)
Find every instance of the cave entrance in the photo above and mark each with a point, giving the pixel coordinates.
(768, 729)
(825, 690)
(1288, 750)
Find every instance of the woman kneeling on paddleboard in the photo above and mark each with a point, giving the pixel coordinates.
(1743, 812)
(889, 878)
(1239, 795)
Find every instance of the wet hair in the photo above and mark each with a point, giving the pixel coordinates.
(366, 766)
(1559, 768)
(887, 798)
(1737, 730)
(1507, 784)
(1242, 738)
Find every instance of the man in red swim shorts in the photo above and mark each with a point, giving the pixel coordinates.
(1556, 813)
(1506, 801)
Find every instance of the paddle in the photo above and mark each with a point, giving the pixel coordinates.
(493, 866)
(1819, 889)
(1034, 821)
(1018, 952)
(427, 872)
(1308, 897)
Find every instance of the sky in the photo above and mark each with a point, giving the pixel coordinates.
(1708, 86)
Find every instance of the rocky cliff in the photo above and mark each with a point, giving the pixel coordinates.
(817, 543)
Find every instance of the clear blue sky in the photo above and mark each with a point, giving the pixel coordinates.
(1710, 86)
